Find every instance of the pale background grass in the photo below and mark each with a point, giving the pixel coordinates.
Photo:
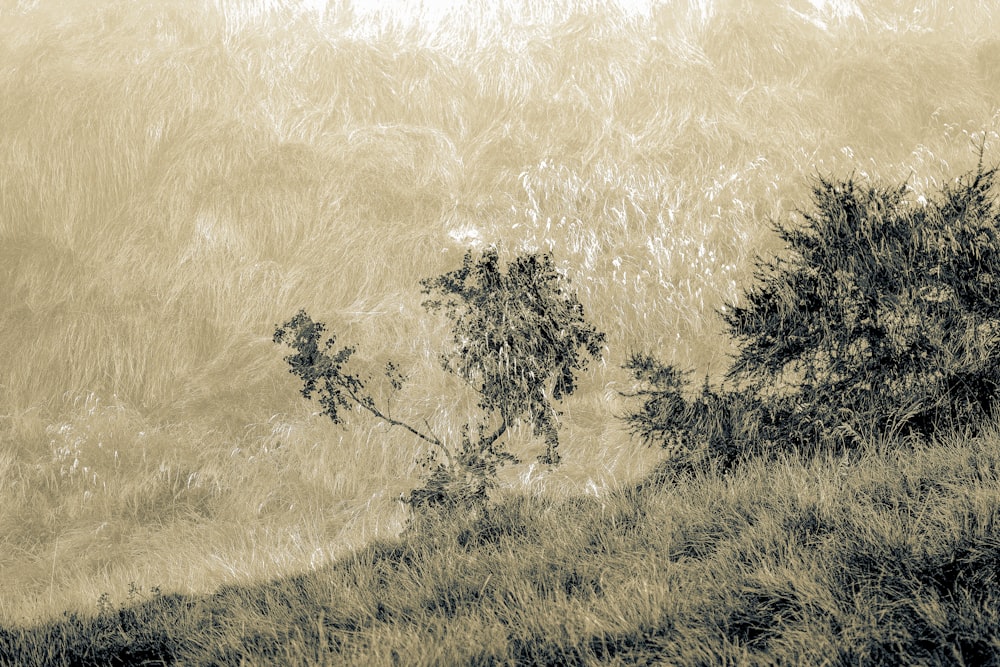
(178, 177)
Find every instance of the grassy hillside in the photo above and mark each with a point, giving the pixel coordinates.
(178, 177)
(887, 557)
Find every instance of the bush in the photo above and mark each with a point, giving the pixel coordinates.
(713, 425)
(516, 339)
(882, 318)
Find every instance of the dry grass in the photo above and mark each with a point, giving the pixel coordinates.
(178, 177)
(887, 556)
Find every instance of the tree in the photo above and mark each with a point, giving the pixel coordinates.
(881, 318)
(884, 315)
(518, 338)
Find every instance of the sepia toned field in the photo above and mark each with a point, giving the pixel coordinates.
(177, 177)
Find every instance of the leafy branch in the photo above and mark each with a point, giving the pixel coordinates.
(516, 340)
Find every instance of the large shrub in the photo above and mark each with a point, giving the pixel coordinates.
(517, 337)
(881, 317)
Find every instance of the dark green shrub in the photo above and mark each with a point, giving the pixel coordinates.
(516, 340)
(713, 419)
(882, 317)
(712, 425)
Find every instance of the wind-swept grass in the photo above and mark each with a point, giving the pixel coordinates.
(178, 177)
(888, 556)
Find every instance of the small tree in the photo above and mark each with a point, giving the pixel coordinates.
(516, 339)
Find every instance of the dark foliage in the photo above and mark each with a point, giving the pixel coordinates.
(516, 340)
(884, 316)
(320, 369)
(881, 318)
(712, 425)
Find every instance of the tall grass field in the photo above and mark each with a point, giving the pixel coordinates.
(178, 177)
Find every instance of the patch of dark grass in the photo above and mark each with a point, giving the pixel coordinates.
(501, 525)
(139, 635)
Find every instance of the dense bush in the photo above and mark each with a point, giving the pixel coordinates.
(882, 317)
(712, 424)
(516, 340)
